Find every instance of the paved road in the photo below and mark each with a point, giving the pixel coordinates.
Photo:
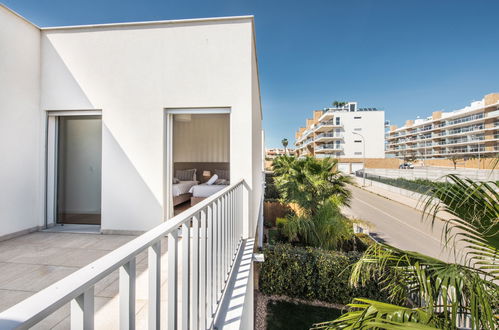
(398, 225)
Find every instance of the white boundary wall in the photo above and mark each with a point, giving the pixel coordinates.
(435, 173)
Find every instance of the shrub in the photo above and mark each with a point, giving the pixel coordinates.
(310, 273)
(271, 192)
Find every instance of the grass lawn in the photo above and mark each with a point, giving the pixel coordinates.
(288, 315)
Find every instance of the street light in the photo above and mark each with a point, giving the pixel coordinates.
(363, 160)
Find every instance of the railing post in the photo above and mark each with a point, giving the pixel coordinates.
(172, 279)
(186, 269)
(202, 272)
(209, 263)
(154, 265)
(219, 249)
(194, 303)
(127, 295)
(82, 311)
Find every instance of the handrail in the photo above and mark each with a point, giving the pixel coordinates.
(43, 303)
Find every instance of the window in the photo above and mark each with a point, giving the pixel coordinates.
(357, 141)
(357, 153)
(337, 120)
(357, 129)
(357, 117)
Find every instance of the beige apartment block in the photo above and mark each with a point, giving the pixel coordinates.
(471, 132)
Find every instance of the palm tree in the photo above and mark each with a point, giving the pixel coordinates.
(436, 293)
(317, 190)
(285, 145)
(326, 229)
(336, 104)
(309, 182)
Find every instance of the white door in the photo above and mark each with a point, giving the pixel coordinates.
(356, 167)
(344, 167)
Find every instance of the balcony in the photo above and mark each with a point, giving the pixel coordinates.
(325, 137)
(326, 126)
(328, 147)
(207, 277)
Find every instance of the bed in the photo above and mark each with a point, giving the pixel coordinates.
(203, 190)
(180, 191)
(222, 169)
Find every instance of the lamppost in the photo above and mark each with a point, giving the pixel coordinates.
(363, 160)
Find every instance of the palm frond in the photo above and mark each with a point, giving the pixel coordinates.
(475, 222)
(370, 314)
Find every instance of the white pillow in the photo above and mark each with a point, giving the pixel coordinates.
(212, 180)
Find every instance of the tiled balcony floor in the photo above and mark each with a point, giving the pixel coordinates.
(32, 262)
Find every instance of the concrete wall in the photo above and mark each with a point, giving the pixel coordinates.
(437, 174)
(205, 138)
(484, 163)
(372, 127)
(258, 145)
(132, 73)
(374, 162)
(21, 134)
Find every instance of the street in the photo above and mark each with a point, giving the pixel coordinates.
(398, 225)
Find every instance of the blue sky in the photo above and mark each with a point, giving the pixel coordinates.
(407, 57)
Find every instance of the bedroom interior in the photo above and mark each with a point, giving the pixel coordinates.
(201, 164)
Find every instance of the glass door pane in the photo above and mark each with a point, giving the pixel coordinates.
(79, 170)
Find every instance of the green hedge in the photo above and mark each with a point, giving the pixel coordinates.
(422, 186)
(271, 192)
(309, 273)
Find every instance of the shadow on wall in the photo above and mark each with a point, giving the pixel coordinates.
(60, 89)
(128, 204)
(127, 201)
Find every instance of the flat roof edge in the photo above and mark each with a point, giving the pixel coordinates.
(19, 16)
(145, 23)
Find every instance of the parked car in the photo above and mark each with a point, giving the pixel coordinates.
(406, 166)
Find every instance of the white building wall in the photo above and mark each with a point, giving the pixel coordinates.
(21, 136)
(132, 73)
(372, 128)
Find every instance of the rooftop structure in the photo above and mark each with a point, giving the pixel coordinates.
(114, 127)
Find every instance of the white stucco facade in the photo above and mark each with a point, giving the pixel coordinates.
(369, 124)
(132, 73)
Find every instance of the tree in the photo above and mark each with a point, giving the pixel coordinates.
(317, 190)
(454, 159)
(285, 145)
(336, 104)
(309, 182)
(326, 229)
(440, 292)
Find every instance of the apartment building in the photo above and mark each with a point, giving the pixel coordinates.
(469, 132)
(346, 131)
(274, 152)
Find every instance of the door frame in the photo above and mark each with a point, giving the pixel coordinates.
(168, 147)
(51, 147)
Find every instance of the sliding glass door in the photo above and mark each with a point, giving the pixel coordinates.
(79, 154)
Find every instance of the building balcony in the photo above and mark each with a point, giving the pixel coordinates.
(328, 148)
(325, 137)
(326, 126)
(192, 271)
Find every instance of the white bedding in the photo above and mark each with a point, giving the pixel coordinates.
(183, 187)
(204, 190)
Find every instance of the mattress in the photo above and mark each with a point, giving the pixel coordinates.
(204, 190)
(183, 187)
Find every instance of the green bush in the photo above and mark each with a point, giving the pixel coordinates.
(422, 186)
(271, 192)
(309, 273)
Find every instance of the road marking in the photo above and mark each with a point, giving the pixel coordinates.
(402, 222)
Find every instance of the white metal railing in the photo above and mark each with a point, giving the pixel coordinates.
(208, 235)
